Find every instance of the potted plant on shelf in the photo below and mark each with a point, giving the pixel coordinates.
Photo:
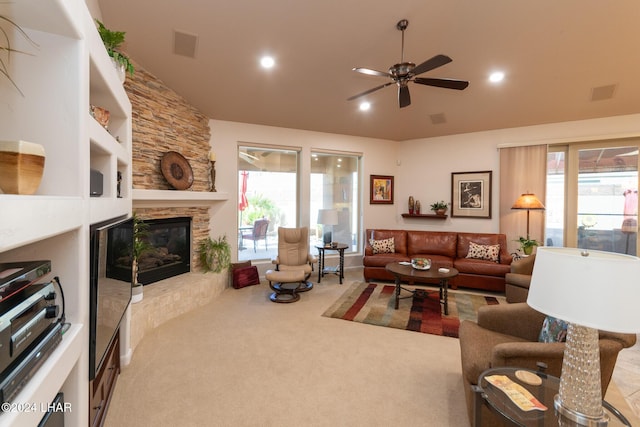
(140, 246)
(527, 244)
(440, 208)
(215, 255)
(112, 41)
(5, 47)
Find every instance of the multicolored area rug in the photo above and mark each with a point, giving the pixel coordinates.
(374, 304)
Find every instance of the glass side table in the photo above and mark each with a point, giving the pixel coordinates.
(497, 400)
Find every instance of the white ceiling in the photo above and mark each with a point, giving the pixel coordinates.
(554, 52)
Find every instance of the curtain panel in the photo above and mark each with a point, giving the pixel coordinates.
(522, 170)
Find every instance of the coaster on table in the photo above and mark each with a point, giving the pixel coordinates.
(528, 377)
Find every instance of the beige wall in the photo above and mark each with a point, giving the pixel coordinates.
(421, 167)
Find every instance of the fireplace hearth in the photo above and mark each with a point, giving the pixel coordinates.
(170, 253)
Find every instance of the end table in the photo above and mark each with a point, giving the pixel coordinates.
(545, 392)
(339, 269)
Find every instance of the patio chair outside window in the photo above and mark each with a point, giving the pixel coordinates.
(259, 232)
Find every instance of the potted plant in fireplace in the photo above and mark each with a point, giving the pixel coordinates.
(215, 254)
(140, 246)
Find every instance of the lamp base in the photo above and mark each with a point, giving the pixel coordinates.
(580, 399)
(568, 417)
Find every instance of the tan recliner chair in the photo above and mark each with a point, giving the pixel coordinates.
(294, 265)
(507, 335)
(517, 281)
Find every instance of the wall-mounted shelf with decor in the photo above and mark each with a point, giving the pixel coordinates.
(430, 216)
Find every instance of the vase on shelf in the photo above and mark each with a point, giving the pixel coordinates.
(441, 212)
(411, 205)
(417, 207)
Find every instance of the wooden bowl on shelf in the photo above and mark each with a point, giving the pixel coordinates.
(21, 166)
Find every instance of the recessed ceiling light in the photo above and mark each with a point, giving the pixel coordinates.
(496, 77)
(267, 62)
(364, 106)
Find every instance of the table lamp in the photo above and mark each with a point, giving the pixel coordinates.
(568, 283)
(327, 218)
(529, 202)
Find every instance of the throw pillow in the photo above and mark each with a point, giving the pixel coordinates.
(486, 252)
(383, 246)
(245, 276)
(553, 330)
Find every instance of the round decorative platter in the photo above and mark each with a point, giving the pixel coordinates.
(421, 263)
(176, 170)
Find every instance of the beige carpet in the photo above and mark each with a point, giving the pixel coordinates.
(245, 361)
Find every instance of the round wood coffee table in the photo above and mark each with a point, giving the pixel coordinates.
(404, 272)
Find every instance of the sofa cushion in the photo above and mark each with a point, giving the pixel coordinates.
(487, 252)
(383, 246)
(431, 243)
(381, 260)
(480, 267)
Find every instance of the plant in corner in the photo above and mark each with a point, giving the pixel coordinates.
(527, 244)
(215, 255)
(440, 208)
(112, 41)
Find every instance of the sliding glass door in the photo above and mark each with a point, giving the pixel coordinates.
(601, 202)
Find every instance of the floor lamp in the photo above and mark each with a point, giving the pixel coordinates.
(529, 202)
(567, 284)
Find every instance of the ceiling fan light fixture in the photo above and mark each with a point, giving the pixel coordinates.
(405, 72)
(365, 106)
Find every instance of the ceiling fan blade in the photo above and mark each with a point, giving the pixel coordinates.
(371, 72)
(404, 99)
(445, 83)
(430, 64)
(366, 92)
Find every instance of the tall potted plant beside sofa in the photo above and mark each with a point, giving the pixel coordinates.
(527, 244)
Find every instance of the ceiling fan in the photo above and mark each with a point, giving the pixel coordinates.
(404, 72)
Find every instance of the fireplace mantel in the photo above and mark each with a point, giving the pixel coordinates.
(176, 198)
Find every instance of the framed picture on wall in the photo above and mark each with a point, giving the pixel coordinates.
(381, 190)
(471, 194)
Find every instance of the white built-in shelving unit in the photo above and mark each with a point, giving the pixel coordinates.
(67, 72)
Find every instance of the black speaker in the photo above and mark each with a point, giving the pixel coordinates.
(95, 183)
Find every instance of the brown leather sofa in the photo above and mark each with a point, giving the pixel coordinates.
(507, 335)
(445, 249)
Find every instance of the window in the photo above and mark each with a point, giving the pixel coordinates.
(335, 186)
(268, 199)
(599, 208)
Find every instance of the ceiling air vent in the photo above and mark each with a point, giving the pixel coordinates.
(438, 119)
(184, 44)
(603, 92)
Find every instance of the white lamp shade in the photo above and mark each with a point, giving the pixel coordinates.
(328, 217)
(600, 291)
